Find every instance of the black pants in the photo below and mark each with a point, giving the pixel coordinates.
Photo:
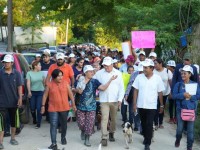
(172, 108)
(147, 117)
(159, 117)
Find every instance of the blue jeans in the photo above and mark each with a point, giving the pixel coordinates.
(36, 104)
(124, 112)
(55, 118)
(180, 126)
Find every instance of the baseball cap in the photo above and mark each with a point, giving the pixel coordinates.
(60, 56)
(188, 68)
(142, 53)
(140, 67)
(171, 63)
(187, 55)
(152, 54)
(107, 61)
(130, 58)
(47, 52)
(71, 55)
(87, 68)
(147, 63)
(8, 58)
(115, 60)
(37, 55)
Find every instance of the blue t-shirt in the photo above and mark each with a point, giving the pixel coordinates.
(76, 73)
(87, 98)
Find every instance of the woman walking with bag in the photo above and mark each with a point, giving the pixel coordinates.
(86, 109)
(186, 103)
(35, 85)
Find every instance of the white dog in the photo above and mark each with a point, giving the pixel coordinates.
(128, 134)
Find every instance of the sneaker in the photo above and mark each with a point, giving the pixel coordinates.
(1, 146)
(156, 127)
(37, 126)
(146, 147)
(13, 142)
(63, 141)
(161, 126)
(171, 121)
(177, 143)
(104, 142)
(53, 147)
(7, 134)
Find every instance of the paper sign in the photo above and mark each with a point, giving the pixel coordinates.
(191, 88)
(126, 48)
(143, 39)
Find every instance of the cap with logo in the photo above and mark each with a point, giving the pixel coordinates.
(47, 52)
(130, 58)
(60, 56)
(171, 63)
(153, 54)
(87, 68)
(107, 61)
(142, 53)
(147, 63)
(71, 55)
(188, 68)
(115, 60)
(187, 55)
(8, 58)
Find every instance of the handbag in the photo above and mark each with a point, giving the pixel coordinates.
(187, 115)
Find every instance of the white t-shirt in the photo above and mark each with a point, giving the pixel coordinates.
(148, 90)
(165, 75)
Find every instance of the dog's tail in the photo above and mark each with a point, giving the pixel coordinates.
(99, 147)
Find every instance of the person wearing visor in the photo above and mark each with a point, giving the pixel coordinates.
(10, 97)
(185, 100)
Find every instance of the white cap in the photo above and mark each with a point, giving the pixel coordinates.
(60, 56)
(86, 59)
(153, 54)
(171, 63)
(142, 53)
(71, 55)
(197, 66)
(115, 60)
(37, 55)
(87, 68)
(8, 58)
(147, 63)
(188, 68)
(47, 52)
(107, 61)
(140, 67)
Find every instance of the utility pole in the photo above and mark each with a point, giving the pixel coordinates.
(10, 27)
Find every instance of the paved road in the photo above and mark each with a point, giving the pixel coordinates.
(33, 139)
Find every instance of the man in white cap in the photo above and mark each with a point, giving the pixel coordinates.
(46, 61)
(10, 97)
(147, 87)
(153, 56)
(37, 57)
(110, 99)
(67, 70)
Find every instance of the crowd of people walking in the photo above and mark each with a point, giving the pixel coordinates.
(139, 84)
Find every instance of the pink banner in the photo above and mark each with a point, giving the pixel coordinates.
(143, 39)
